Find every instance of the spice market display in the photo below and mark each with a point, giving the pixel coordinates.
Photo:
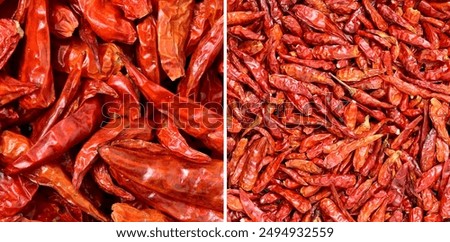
(344, 108)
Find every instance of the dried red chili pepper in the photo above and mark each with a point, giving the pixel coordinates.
(11, 34)
(122, 212)
(207, 50)
(108, 24)
(66, 89)
(147, 50)
(174, 18)
(355, 110)
(147, 168)
(36, 65)
(134, 9)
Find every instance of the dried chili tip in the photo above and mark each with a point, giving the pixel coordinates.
(243, 17)
(336, 157)
(123, 212)
(11, 89)
(18, 28)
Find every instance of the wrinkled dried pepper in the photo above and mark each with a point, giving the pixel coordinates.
(355, 102)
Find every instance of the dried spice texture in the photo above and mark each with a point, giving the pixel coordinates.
(111, 111)
(342, 109)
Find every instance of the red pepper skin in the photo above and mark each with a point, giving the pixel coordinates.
(210, 123)
(62, 20)
(11, 34)
(123, 212)
(53, 115)
(127, 104)
(36, 66)
(204, 55)
(61, 137)
(199, 26)
(174, 18)
(317, 20)
(103, 178)
(147, 49)
(11, 89)
(17, 191)
(154, 167)
(183, 211)
(169, 136)
(53, 176)
(89, 154)
(108, 23)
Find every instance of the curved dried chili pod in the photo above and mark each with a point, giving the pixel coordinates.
(134, 9)
(61, 137)
(147, 49)
(409, 38)
(11, 89)
(249, 176)
(371, 206)
(330, 209)
(152, 166)
(204, 55)
(299, 202)
(16, 193)
(314, 38)
(11, 34)
(89, 154)
(317, 20)
(36, 66)
(108, 23)
(244, 33)
(439, 116)
(428, 154)
(251, 209)
(122, 212)
(170, 137)
(336, 157)
(388, 168)
(103, 179)
(53, 176)
(199, 25)
(335, 52)
(269, 172)
(307, 74)
(289, 84)
(428, 178)
(174, 18)
(127, 104)
(180, 210)
(53, 115)
(242, 17)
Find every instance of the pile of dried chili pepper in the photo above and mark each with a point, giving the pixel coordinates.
(344, 108)
(111, 110)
